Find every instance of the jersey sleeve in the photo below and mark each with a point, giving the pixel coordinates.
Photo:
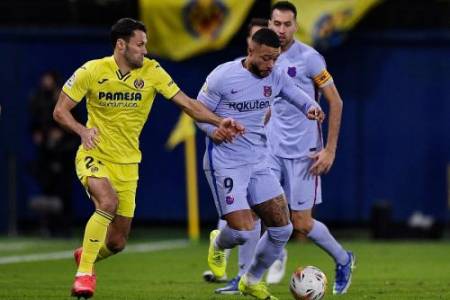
(77, 86)
(210, 93)
(317, 70)
(165, 84)
(207, 128)
(210, 96)
(295, 95)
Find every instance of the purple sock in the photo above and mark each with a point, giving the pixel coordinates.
(229, 238)
(268, 249)
(247, 250)
(221, 224)
(320, 235)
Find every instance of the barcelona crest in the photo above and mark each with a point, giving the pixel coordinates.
(292, 71)
(267, 91)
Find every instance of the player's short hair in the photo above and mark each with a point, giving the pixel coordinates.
(284, 6)
(124, 29)
(257, 22)
(266, 36)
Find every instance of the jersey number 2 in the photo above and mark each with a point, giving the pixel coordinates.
(89, 161)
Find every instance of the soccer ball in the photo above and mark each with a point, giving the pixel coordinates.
(308, 283)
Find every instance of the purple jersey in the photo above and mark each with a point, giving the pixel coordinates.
(289, 132)
(232, 91)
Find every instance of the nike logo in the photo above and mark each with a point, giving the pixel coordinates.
(301, 203)
(103, 80)
(234, 91)
(94, 240)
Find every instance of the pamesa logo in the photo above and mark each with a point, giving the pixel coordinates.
(129, 96)
(119, 99)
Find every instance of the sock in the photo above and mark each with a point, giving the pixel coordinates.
(221, 224)
(268, 250)
(320, 235)
(94, 238)
(247, 250)
(228, 238)
(103, 253)
(282, 255)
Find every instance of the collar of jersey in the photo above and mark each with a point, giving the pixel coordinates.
(117, 69)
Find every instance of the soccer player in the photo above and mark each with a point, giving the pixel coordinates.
(245, 251)
(238, 174)
(119, 92)
(298, 154)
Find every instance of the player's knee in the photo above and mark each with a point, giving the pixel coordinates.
(303, 226)
(280, 235)
(109, 205)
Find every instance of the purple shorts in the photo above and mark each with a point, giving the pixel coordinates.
(243, 187)
(302, 189)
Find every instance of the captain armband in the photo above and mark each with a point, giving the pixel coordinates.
(324, 78)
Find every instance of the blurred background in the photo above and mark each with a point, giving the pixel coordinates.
(390, 61)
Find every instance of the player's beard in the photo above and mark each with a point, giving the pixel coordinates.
(257, 71)
(132, 62)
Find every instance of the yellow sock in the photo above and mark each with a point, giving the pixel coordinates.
(94, 238)
(103, 253)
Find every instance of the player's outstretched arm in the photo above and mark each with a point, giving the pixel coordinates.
(324, 159)
(218, 135)
(299, 98)
(201, 113)
(228, 130)
(62, 114)
(196, 109)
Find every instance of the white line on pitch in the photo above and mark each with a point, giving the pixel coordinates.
(132, 248)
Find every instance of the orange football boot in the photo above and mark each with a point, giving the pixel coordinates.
(84, 286)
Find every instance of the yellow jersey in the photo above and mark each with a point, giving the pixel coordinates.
(118, 104)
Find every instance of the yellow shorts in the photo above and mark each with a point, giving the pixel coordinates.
(123, 178)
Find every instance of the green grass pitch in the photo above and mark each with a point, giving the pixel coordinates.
(385, 270)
